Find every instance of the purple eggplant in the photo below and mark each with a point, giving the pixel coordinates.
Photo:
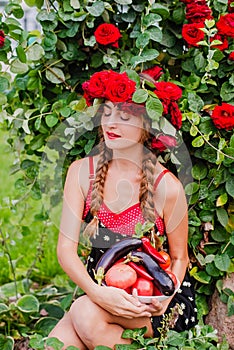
(161, 279)
(117, 251)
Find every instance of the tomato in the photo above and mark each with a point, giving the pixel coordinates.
(173, 277)
(156, 291)
(144, 287)
(167, 258)
(120, 276)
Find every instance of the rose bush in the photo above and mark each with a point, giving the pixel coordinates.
(186, 46)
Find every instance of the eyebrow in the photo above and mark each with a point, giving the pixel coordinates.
(106, 105)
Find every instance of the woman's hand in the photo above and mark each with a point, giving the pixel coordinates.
(157, 308)
(118, 302)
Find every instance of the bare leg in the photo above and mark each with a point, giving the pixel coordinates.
(96, 326)
(65, 332)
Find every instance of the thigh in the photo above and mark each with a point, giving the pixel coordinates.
(85, 314)
(65, 332)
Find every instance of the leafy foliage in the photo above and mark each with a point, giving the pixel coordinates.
(42, 108)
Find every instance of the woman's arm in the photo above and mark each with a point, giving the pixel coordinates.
(172, 205)
(73, 205)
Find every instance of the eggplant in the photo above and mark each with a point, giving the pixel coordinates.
(161, 279)
(117, 251)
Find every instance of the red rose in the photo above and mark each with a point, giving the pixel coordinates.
(196, 13)
(163, 142)
(225, 24)
(120, 87)
(201, 2)
(109, 85)
(223, 116)
(2, 38)
(167, 91)
(96, 86)
(154, 72)
(176, 116)
(192, 33)
(231, 56)
(107, 34)
(222, 38)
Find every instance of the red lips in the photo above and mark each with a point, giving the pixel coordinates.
(112, 135)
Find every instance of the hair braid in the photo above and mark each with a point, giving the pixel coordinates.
(98, 187)
(146, 195)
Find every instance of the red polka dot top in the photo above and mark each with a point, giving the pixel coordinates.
(125, 221)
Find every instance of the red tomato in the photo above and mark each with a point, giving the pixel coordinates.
(128, 290)
(156, 291)
(173, 276)
(144, 287)
(120, 276)
(167, 258)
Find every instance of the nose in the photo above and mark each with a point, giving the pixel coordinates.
(113, 118)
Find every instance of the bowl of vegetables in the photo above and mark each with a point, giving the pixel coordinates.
(133, 264)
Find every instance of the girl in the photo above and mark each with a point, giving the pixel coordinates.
(122, 185)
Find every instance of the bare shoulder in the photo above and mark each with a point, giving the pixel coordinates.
(79, 171)
(169, 184)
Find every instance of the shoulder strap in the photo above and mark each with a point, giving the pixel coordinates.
(91, 169)
(160, 176)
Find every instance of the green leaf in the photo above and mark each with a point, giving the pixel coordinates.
(55, 75)
(18, 67)
(51, 120)
(28, 304)
(222, 216)
(75, 4)
(45, 324)
(96, 9)
(3, 308)
(222, 262)
(123, 2)
(142, 40)
(154, 108)
(219, 234)
(199, 61)
(37, 342)
(230, 305)
(140, 96)
(195, 102)
(146, 55)
(191, 188)
(35, 52)
(198, 141)
(6, 343)
(4, 84)
(229, 186)
(151, 19)
(3, 99)
(112, 60)
(199, 171)
(21, 54)
(155, 34)
(221, 200)
(54, 343)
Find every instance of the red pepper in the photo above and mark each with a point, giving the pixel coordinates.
(149, 249)
(140, 270)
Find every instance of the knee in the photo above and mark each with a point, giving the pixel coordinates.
(86, 318)
(83, 312)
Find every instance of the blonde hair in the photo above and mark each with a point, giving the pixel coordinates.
(146, 192)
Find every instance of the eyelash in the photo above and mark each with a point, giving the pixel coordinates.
(106, 114)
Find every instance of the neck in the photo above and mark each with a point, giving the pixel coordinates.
(128, 161)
